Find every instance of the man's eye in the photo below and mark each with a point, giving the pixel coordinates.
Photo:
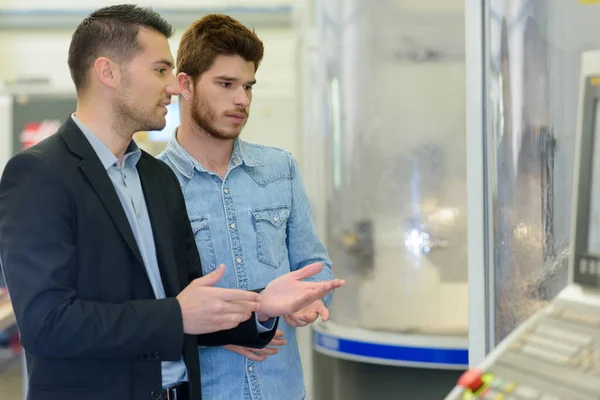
(225, 84)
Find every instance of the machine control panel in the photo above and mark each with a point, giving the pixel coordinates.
(555, 357)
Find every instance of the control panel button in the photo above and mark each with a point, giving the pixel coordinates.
(550, 397)
(492, 395)
(468, 395)
(526, 393)
(547, 355)
(567, 349)
(501, 385)
(471, 379)
(564, 335)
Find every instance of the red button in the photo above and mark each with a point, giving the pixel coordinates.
(471, 380)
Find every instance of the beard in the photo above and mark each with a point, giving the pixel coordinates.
(204, 116)
(131, 114)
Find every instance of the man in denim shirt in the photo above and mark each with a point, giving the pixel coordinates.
(247, 205)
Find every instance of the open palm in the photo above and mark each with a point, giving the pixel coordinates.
(288, 293)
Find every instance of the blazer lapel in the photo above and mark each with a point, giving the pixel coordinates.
(157, 206)
(97, 176)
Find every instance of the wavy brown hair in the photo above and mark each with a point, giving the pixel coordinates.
(214, 35)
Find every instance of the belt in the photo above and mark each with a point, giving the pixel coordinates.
(178, 392)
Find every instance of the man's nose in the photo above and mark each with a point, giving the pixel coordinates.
(242, 98)
(173, 87)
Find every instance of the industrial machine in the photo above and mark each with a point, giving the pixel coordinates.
(555, 354)
(395, 184)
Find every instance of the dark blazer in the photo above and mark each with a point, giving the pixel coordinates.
(89, 322)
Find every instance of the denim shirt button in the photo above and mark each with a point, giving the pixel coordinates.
(239, 260)
(250, 369)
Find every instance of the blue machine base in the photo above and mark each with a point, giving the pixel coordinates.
(392, 353)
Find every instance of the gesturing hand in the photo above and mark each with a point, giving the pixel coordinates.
(260, 354)
(288, 293)
(308, 315)
(207, 309)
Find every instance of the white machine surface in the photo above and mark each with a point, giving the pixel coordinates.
(555, 355)
(404, 270)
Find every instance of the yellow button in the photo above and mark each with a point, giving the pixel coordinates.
(488, 378)
(468, 395)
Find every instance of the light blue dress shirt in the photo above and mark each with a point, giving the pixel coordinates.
(126, 180)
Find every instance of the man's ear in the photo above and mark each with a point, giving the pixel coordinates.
(186, 85)
(107, 72)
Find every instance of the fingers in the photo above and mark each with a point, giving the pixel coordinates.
(300, 322)
(337, 283)
(269, 351)
(307, 271)
(321, 291)
(250, 354)
(230, 314)
(314, 285)
(326, 285)
(212, 278)
(236, 295)
(278, 339)
(231, 320)
(310, 318)
(324, 312)
(311, 296)
(278, 342)
(290, 321)
(239, 307)
(295, 321)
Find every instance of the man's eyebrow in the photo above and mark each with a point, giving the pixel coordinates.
(232, 79)
(166, 62)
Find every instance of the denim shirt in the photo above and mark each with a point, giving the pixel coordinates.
(257, 221)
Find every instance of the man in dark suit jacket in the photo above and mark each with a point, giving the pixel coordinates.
(95, 244)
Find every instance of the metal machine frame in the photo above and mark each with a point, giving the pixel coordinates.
(532, 359)
(584, 265)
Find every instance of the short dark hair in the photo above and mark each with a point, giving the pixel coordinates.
(112, 32)
(214, 35)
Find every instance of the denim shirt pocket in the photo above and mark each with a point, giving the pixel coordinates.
(270, 225)
(204, 243)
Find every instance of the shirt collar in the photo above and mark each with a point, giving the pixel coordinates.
(107, 158)
(186, 164)
(242, 150)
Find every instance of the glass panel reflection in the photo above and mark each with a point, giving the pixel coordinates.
(534, 65)
(397, 165)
